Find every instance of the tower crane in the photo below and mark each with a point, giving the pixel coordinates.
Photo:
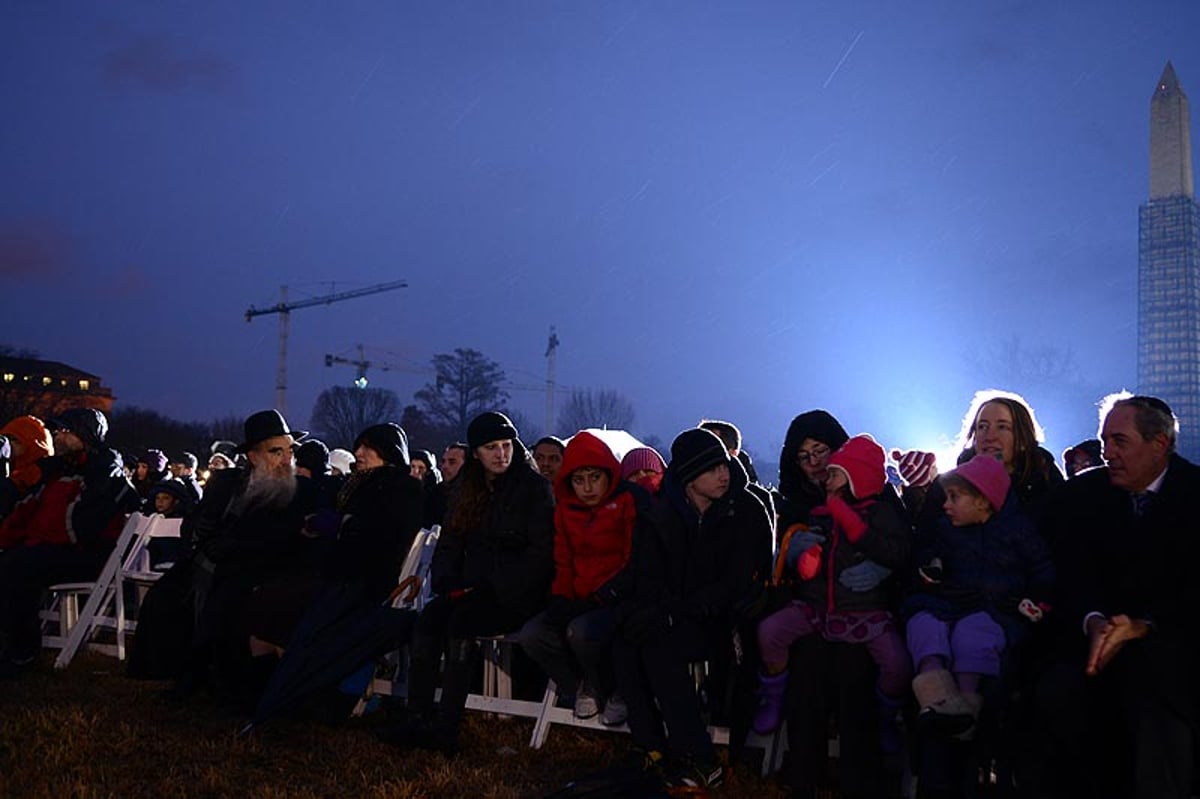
(551, 378)
(361, 365)
(285, 308)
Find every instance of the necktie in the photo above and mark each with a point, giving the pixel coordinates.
(1141, 501)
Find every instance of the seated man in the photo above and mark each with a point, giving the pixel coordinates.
(63, 532)
(1117, 713)
(701, 559)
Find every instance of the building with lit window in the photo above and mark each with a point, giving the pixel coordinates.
(44, 388)
(1169, 266)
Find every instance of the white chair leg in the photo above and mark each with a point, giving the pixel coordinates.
(541, 727)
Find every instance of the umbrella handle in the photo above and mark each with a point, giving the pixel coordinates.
(407, 590)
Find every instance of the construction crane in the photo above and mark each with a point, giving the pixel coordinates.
(551, 346)
(361, 365)
(285, 308)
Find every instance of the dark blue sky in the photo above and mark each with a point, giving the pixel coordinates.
(740, 210)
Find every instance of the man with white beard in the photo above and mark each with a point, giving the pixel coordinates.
(246, 531)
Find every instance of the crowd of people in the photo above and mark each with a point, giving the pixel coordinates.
(996, 618)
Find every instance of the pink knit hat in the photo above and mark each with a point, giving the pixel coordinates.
(862, 461)
(988, 475)
(641, 458)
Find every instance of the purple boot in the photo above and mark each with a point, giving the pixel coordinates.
(770, 705)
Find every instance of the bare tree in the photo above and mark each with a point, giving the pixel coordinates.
(341, 413)
(530, 430)
(132, 429)
(226, 428)
(1013, 362)
(596, 408)
(467, 384)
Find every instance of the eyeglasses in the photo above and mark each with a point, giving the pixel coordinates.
(814, 454)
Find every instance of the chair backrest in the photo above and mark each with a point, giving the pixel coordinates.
(137, 560)
(101, 592)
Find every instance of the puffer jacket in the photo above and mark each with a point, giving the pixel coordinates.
(592, 545)
(987, 567)
(83, 501)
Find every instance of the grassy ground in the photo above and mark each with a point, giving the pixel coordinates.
(89, 732)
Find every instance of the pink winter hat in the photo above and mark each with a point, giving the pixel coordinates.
(861, 459)
(641, 458)
(988, 475)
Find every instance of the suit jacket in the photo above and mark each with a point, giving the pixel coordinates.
(1112, 562)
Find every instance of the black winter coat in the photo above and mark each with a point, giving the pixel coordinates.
(512, 552)
(711, 568)
(248, 544)
(380, 517)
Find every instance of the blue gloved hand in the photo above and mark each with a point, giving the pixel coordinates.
(864, 576)
(800, 542)
(324, 523)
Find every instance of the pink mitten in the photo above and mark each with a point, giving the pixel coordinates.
(810, 562)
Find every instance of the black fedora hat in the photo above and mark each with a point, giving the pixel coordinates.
(266, 424)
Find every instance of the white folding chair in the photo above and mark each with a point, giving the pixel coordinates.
(75, 625)
(412, 592)
(136, 572)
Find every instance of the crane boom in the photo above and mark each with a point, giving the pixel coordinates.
(284, 306)
(284, 309)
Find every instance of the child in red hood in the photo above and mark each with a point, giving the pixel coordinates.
(838, 569)
(594, 517)
(30, 441)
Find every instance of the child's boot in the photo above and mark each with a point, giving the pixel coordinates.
(770, 706)
(975, 704)
(943, 709)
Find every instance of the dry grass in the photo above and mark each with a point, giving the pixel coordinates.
(89, 732)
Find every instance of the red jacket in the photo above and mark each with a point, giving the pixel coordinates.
(80, 503)
(591, 545)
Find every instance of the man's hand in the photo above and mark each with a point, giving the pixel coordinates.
(1109, 636)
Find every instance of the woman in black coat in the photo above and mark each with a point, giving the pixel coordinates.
(491, 572)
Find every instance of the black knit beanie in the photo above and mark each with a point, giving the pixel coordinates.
(389, 440)
(694, 452)
(488, 427)
(314, 456)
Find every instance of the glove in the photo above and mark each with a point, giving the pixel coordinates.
(810, 562)
(917, 468)
(864, 576)
(1034, 611)
(324, 523)
(932, 572)
(799, 543)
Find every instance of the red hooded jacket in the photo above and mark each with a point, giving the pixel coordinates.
(36, 444)
(591, 544)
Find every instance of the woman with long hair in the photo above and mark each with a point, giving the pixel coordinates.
(1001, 424)
(491, 572)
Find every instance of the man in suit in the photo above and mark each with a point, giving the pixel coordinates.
(1118, 707)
